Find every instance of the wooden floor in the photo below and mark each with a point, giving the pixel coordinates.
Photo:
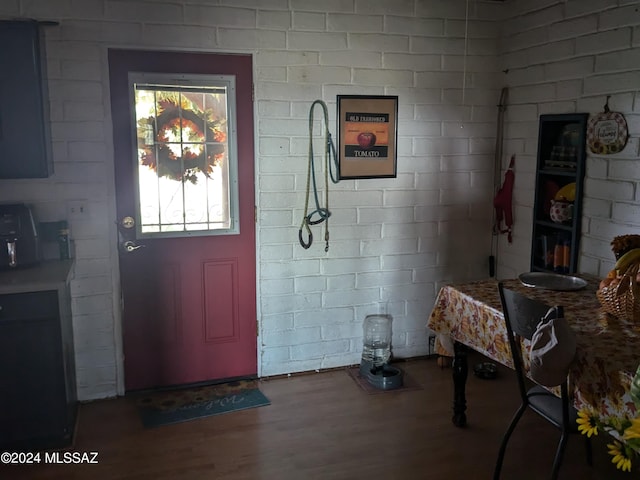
(323, 426)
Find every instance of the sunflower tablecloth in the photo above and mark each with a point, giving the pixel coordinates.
(608, 349)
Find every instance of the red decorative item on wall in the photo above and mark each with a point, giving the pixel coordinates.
(502, 202)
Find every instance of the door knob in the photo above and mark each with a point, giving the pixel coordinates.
(129, 246)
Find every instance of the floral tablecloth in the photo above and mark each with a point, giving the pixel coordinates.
(608, 349)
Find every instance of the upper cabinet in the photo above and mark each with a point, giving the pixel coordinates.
(557, 211)
(25, 143)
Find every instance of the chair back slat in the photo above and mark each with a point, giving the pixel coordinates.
(521, 315)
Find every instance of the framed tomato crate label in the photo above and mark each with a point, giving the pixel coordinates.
(367, 136)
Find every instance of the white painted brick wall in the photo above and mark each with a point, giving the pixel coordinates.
(393, 241)
(589, 55)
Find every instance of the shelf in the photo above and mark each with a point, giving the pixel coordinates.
(557, 173)
(541, 269)
(559, 226)
(561, 142)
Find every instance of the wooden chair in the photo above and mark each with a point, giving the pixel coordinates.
(522, 315)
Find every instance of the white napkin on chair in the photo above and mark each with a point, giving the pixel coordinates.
(552, 350)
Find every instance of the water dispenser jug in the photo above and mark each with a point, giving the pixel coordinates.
(376, 349)
(376, 353)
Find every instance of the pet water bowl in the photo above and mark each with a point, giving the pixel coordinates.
(486, 370)
(385, 377)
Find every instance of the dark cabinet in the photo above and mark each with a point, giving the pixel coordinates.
(37, 371)
(557, 210)
(25, 144)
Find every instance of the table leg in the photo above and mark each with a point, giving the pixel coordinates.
(460, 369)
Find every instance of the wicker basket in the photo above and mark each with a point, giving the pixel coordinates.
(622, 300)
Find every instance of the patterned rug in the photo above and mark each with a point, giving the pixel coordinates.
(175, 406)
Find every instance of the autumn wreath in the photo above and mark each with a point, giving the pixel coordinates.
(181, 140)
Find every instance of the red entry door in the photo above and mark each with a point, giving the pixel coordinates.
(189, 299)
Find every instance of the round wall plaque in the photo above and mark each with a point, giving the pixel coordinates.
(607, 133)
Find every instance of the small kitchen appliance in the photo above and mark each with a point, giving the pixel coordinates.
(19, 245)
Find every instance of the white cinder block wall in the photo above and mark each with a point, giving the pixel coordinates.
(393, 241)
(567, 56)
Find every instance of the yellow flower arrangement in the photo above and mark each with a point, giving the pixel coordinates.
(626, 448)
(621, 456)
(623, 452)
(633, 431)
(587, 423)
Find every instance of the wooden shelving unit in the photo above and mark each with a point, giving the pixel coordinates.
(560, 162)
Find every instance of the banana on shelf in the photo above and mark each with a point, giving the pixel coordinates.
(567, 193)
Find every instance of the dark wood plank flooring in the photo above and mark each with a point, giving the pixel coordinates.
(323, 426)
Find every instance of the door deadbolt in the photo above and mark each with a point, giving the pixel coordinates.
(128, 222)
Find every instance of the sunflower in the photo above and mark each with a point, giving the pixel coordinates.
(621, 456)
(587, 422)
(632, 431)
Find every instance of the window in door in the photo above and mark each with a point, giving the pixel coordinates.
(186, 162)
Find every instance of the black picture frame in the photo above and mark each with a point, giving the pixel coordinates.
(367, 136)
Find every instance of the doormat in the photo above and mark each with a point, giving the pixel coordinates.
(408, 383)
(175, 406)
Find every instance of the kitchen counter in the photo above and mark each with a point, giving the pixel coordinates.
(47, 275)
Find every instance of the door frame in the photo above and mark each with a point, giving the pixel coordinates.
(117, 300)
